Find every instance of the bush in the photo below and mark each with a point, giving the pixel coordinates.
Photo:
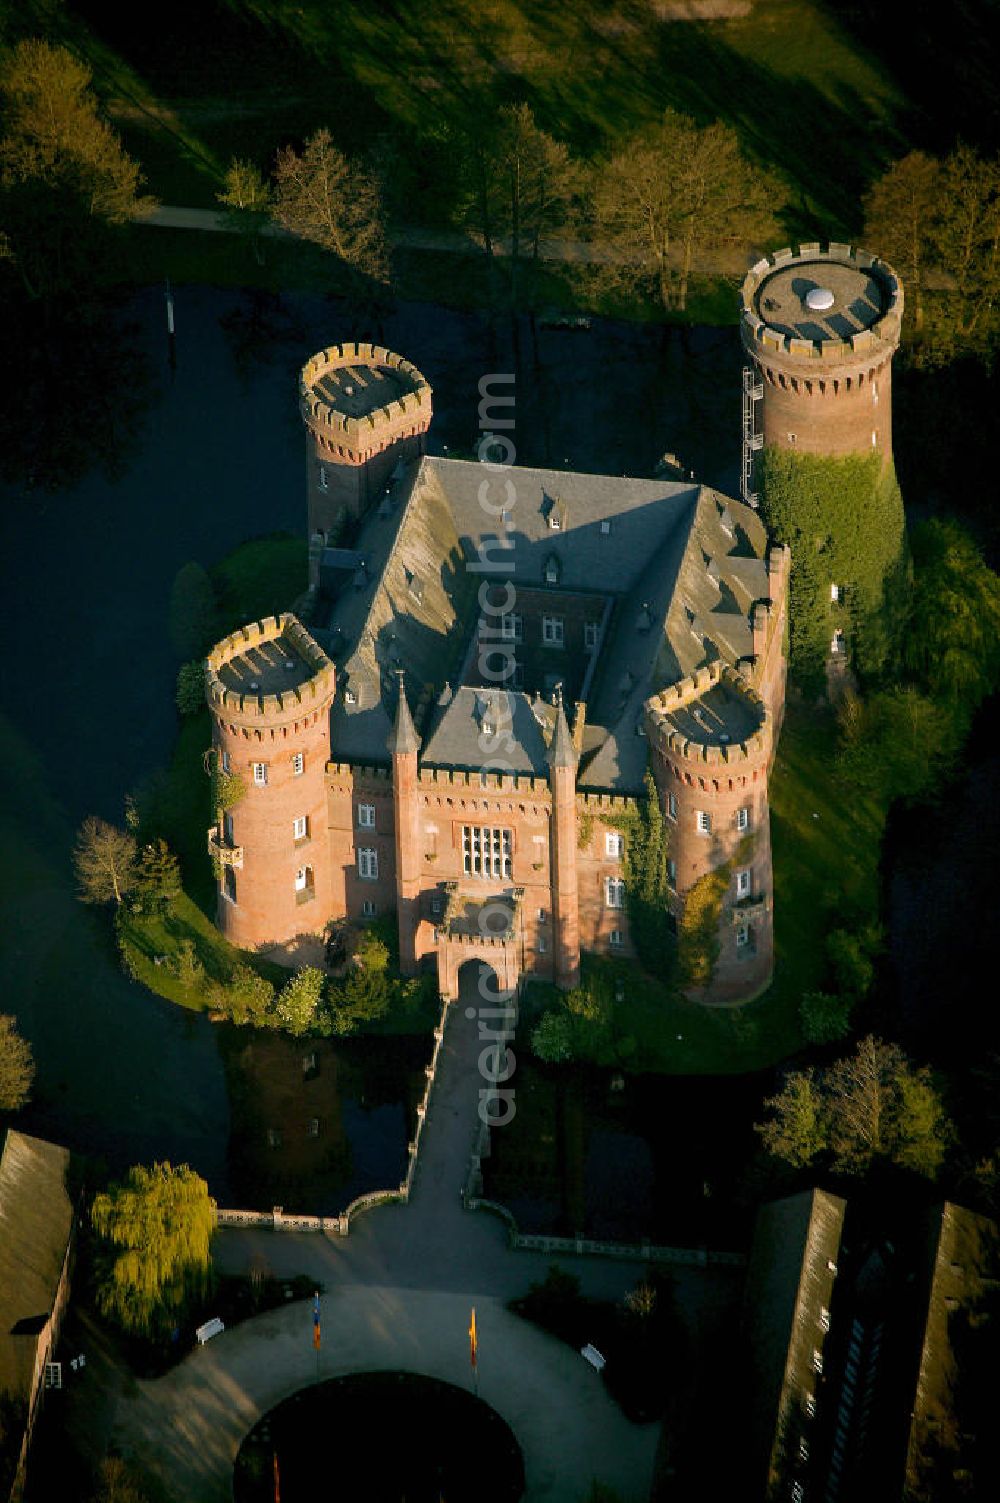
(245, 999)
(190, 695)
(698, 928)
(552, 1038)
(187, 968)
(298, 1001)
(824, 1018)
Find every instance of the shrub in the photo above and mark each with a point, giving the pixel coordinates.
(552, 1038)
(190, 695)
(245, 999)
(824, 1018)
(298, 1001)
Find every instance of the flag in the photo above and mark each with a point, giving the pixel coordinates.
(277, 1480)
(316, 1336)
(473, 1340)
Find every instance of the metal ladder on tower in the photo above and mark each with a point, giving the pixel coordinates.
(753, 392)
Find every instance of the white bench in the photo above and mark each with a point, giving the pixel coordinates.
(211, 1328)
(593, 1356)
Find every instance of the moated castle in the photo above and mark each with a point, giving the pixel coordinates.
(499, 653)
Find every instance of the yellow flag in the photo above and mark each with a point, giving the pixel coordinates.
(473, 1342)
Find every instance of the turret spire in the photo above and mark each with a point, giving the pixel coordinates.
(562, 752)
(403, 737)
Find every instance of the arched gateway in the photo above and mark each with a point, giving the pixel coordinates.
(500, 953)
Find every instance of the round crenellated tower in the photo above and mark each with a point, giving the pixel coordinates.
(821, 328)
(365, 409)
(269, 688)
(711, 742)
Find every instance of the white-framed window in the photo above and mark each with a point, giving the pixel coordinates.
(543, 916)
(817, 1362)
(810, 1405)
(260, 774)
(369, 909)
(303, 879)
(511, 627)
(541, 944)
(672, 805)
(617, 938)
(551, 572)
(835, 592)
(742, 936)
(300, 827)
(486, 851)
(874, 393)
(321, 479)
(704, 822)
(839, 644)
(743, 882)
(552, 631)
(590, 632)
(874, 439)
(791, 438)
(614, 844)
(671, 873)
(614, 892)
(312, 1127)
(368, 863)
(606, 528)
(229, 884)
(227, 762)
(366, 816)
(743, 819)
(298, 764)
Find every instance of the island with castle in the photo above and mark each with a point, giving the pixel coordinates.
(497, 657)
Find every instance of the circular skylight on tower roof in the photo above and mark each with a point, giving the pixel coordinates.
(819, 299)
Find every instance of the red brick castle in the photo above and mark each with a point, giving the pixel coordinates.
(498, 654)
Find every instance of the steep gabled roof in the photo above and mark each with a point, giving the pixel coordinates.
(36, 1219)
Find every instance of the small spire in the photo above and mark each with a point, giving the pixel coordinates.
(562, 752)
(403, 737)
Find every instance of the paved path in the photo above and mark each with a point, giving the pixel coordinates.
(398, 1295)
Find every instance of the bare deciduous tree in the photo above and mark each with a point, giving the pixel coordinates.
(246, 198)
(323, 197)
(900, 209)
(106, 861)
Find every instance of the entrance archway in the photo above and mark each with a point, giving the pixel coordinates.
(500, 954)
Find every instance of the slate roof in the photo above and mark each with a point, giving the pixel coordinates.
(482, 726)
(683, 564)
(36, 1218)
(789, 1282)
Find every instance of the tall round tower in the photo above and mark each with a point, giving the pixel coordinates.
(269, 688)
(365, 409)
(821, 328)
(711, 737)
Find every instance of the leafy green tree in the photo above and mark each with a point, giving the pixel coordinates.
(953, 640)
(966, 238)
(646, 888)
(321, 196)
(851, 961)
(246, 999)
(106, 862)
(190, 695)
(187, 967)
(897, 744)
(17, 1066)
(154, 1254)
(674, 194)
(901, 210)
(246, 199)
(824, 1018)
(192, 614)
(296, 1009)
(158, 878)
(795, 1129)
(552, 1037)
(365, 993)
(64, 177)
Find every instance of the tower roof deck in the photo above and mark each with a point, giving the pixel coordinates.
(717, 717)
(266, 668)
(269, 667)
(361, 388)
(855, 300)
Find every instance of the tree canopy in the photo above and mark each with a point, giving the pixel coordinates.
(106, 861)
(154, 1254)
(17, 1066)
(674, 192)
(322, 196)
(63, 172)
(872, 1105)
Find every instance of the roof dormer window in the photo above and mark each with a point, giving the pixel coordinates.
(552, 569)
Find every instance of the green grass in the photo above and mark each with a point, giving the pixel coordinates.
(261, 578)
(144, 938)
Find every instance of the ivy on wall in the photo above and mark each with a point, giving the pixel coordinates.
(645, 870)
(843, 520)
(698, 923)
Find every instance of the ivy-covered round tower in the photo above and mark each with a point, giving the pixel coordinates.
(821, 327)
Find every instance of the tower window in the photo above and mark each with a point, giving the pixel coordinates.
(486, 851)
(874, 439)
(704, 822)
(791, 438)
(614, 845)
(742, 819)
(541, 944)
(743, 936)
(229, 884)
(672, 805)
(227, 762)
(260, 774)
(304, 883)
(366, 816)
(298, 764)
(368, 863)
(369, 909)
(743, 881)
(836, 592)
(614, 892)
(300, 827)
(321, 479)
(839, 644)
(553, 634)
(672, 874)
(617, 938)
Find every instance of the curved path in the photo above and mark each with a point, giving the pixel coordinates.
(398, 1295)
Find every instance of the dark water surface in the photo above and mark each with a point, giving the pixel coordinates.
(87, 673)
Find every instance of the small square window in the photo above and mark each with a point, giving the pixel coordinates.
(590, 631)
(321, 479)
(742, 936)
(369, 909)
(617, 938)
(743, 881)
(672, 805)
(300, 827)
(312, 1127)
(704, 822)
(543, 916)
(366, 816)
(835, 592)
(614, 844)
(552, 631)
(303, 878)
(743, 819)
(260, 774)
(298, 764)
